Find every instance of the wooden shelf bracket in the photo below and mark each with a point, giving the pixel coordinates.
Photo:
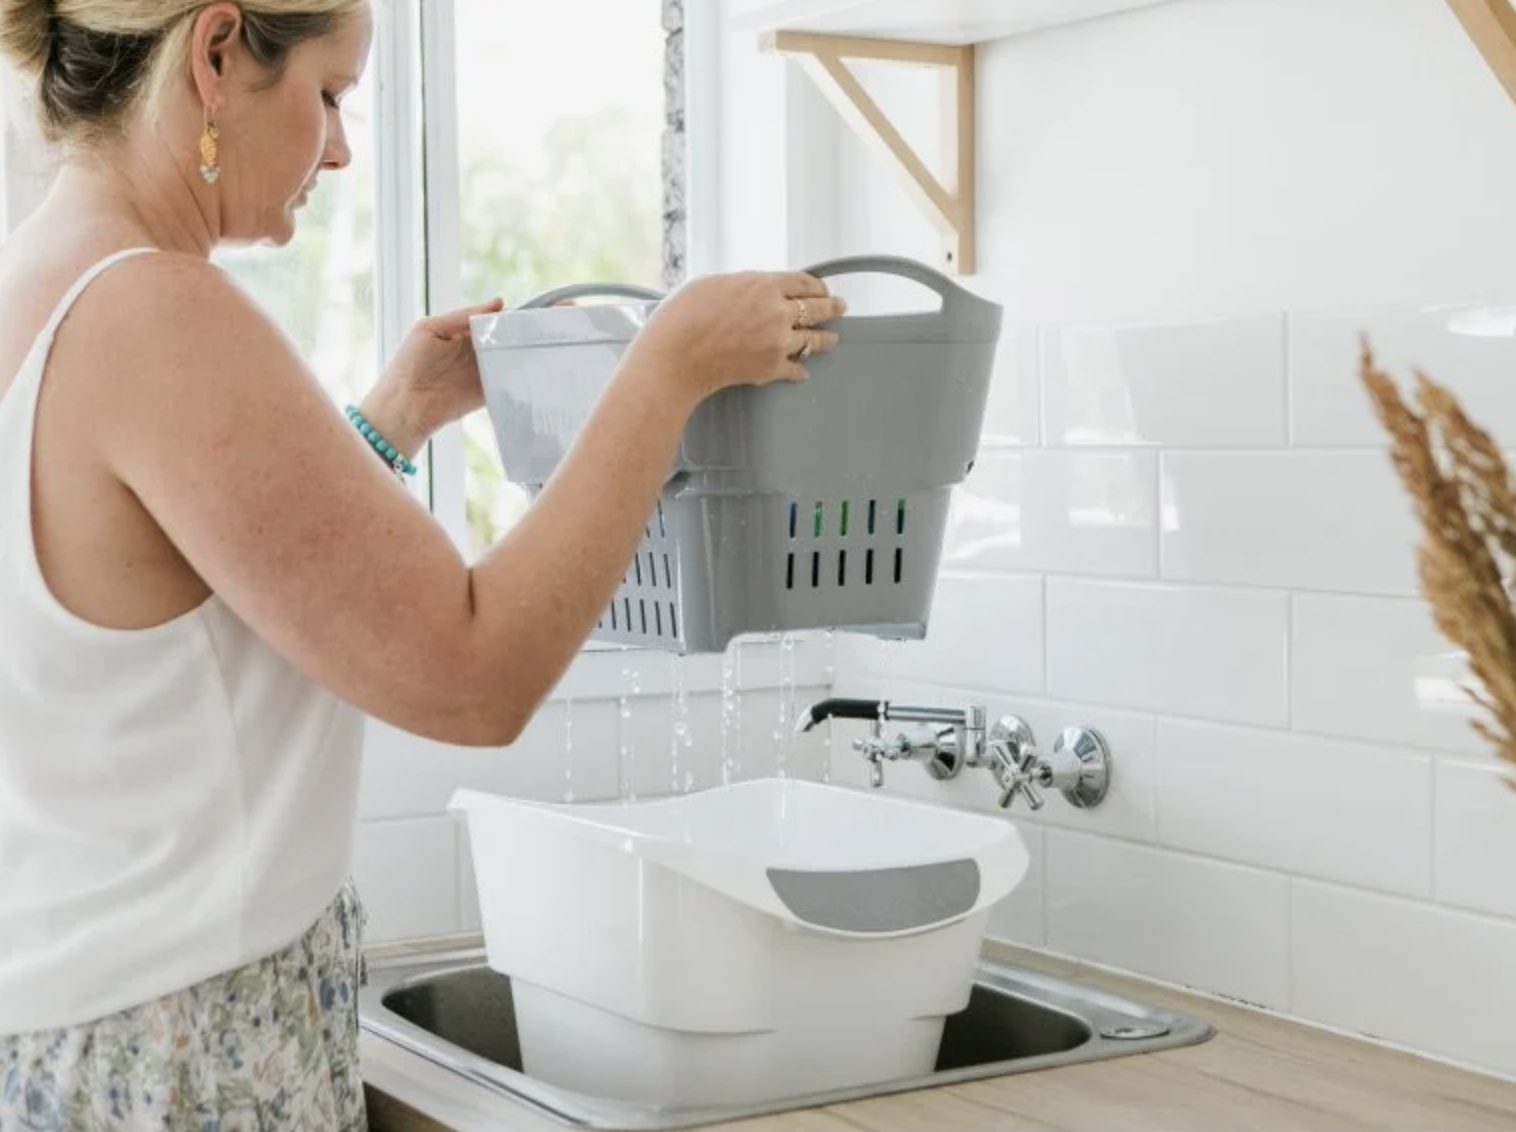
(948, 201)
(1491, 24)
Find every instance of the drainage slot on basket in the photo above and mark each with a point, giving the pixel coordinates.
(668, 575)
(658, 617)
(662, 530)
(873, 511)
(899, 555)
(614, 626)
(819, 508)
(900, 520)
(673, 621)
(789, 573)
(868, 567)
(637, 565)
(843, 532)
(627, 604)
(794, 517)
(842, 567)
(815, 569)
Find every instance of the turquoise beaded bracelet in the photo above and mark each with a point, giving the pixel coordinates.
(391, 454)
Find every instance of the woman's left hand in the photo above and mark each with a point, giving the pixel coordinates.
(432, 380)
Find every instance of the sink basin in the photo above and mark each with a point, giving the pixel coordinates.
(755, 941)
(460, 1015)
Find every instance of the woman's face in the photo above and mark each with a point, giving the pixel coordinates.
(276, 140)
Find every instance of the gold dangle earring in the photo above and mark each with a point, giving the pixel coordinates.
(210, 151)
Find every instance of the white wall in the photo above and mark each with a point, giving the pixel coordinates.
(1183, 528)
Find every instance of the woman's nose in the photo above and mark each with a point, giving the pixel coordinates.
(339, 154)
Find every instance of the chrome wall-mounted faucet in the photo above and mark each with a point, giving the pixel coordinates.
(945, 740)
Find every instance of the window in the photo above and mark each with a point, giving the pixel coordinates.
(560, 120)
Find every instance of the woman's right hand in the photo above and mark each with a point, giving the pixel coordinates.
(749, 328)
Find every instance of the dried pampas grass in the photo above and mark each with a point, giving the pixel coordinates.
(1466, 500)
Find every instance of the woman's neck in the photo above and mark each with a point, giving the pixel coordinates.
(157, 198)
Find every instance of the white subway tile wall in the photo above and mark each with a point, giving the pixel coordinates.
(1297, 520)
(1206, 651)
(1413, 973)
(1218, 383)
(1091, 513)
(1207, 557)
(1465, 346)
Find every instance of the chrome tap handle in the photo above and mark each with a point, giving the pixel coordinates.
(1015, 781)
(876, 750)
(1008, 790)
(872, 749)
(876, 747)
(1012, 755)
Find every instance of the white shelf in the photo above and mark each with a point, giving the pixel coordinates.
(954, 23)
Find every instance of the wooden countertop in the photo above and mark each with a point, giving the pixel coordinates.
(1258, 1073)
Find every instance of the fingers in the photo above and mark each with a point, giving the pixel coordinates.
(805, 343)
(450, 324)
(799, 285)
(806, 313)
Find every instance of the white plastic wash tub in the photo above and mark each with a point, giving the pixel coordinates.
(742, 944)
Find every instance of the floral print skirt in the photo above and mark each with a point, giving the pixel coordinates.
(270, 1047)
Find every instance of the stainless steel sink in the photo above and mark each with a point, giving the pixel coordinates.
(458, 1014)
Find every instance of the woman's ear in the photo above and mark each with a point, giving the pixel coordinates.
(215, 35)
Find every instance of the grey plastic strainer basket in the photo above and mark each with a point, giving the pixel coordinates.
(818, 505)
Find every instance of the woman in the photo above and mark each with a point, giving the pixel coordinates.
(206, 575)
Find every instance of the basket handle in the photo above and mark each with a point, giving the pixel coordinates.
(959, 305)
(586, 290)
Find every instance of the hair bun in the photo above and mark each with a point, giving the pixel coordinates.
(26, 33)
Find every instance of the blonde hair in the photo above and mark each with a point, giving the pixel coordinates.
(94, 60)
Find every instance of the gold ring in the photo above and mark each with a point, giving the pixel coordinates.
(802, 318)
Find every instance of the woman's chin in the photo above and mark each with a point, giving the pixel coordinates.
(281, 233)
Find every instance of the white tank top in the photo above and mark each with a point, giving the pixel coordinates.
(174, 801)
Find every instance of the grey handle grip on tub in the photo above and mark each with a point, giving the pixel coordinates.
(879, 901)
(962, 310)
(591, 290)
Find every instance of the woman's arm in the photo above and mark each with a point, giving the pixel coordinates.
(283, 510)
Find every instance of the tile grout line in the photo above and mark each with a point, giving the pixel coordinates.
(1046, 638)
(1137, 581)
(1154, 801)
(1292, 878)
(1289, 661)
(1160, 494)
(1039, 354)
(1289, 943)
(1289, 400)
(1432, 885)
